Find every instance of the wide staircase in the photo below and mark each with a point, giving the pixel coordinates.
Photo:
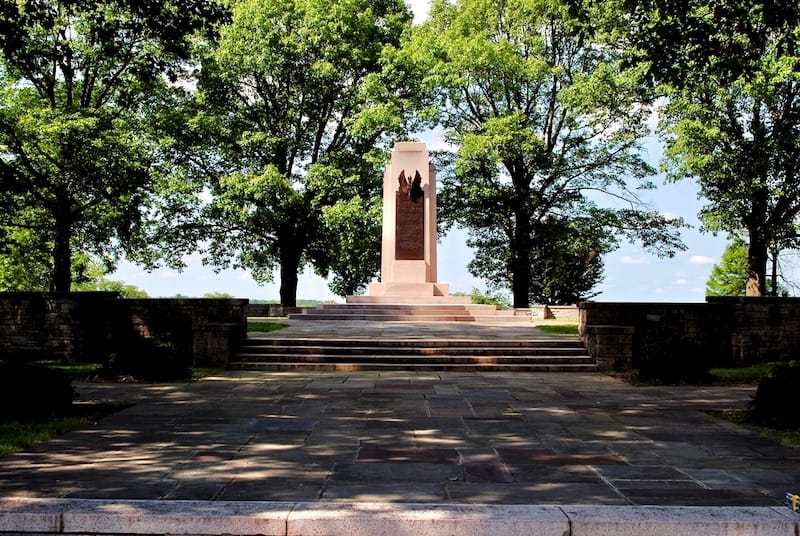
(347, 355)
(408, 336)
(394, 312)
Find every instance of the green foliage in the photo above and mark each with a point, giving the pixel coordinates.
(488, 298)
(567, 260)
(773, 403)
(33, 392)
(730, 70)
(546, 123)
(296, 104)
(351, 258)
(92, 277)
(218, 295)
(77, 80)
(23, 266)
(729, 276)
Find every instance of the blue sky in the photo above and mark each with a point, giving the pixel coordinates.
(631, 274)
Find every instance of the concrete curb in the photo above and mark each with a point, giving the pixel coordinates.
(102, 517)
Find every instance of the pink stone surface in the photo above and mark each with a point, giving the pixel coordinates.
(408, 278)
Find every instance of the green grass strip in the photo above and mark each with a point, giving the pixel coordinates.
(264, 327)
(751, 374)
(559, 329)
(17, 435)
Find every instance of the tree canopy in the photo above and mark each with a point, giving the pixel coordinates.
(77, 79)
(730, 71)
(295, 106)
(547, 127)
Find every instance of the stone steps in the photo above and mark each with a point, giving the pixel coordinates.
(544, 355)
(384, 312)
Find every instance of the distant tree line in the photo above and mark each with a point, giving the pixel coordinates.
(254, 132)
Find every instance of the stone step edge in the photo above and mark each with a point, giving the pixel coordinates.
(432, 351)
(413, 358)
(250, 518)
(399, 367)
(268, 341)
(333, 317)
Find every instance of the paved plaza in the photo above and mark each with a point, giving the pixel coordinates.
(449, 437)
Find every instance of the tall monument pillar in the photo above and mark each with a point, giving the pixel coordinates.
(408, 253)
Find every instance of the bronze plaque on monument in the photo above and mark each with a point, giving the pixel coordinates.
(410, 220)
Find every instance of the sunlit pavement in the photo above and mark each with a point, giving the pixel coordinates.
(489, 438)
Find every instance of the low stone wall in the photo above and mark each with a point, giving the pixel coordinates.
(554, 312)
(92, 325)
(271, 309)
(726, 331)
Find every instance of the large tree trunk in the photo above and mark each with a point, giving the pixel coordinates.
(758, 246)
(290, 265)
(774, 282)
(520, 283)
(62, 253)
(757, 255)
(521, 260)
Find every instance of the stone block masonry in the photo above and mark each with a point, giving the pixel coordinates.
(728, 331)
(91, 325)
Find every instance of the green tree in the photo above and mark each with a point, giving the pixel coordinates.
(93, 276)
(547, 126)
(295, 108)
(23, 266)
(77, 79)
(729, 276)
(731, 73)
(351, 259)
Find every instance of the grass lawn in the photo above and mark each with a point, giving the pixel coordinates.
(264, 327)
(16, 435)
(746, 375)
(558, 329)
(740, 417)
(75, 371)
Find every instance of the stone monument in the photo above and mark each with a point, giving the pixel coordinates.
(408, 253)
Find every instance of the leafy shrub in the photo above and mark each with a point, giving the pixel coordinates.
(479, 298)
(675, 361)
(773, 404)
(30, 392)
(147, 359)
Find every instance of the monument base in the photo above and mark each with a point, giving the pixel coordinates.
(410, 293)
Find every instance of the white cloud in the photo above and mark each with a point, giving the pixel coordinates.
(681, 282)
(702, 259)
(633, 260)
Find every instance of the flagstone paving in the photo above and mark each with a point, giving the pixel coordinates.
(443, 437)
(551, 438)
